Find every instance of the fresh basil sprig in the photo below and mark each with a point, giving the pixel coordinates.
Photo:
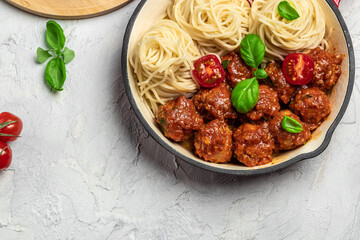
(42, 55)
(55, 73)
(68, 55)
(287, 11)
(291, 125)
(225, 63)
(260, 74)
(245, 95)
(252, 50)
(55, 35)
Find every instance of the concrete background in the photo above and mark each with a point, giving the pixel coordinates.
(86, 169)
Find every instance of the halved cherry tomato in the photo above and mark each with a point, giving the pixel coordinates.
(5, 155)
(10, 127)
(208, 71)
(298, 68)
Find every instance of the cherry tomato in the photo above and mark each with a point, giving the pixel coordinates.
(5, 156)
(298, 68)
(8, 128)
(208, 71)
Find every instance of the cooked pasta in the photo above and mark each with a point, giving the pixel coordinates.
(217, 26)
(282, 36)
(162, 60)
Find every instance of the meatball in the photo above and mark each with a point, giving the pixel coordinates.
(243, 118)
(283, 88)
(178, 118)
(267, 105)
(236, 70)
(285, 140)
(327, 69)
(253, 145)
(312, 105)
(213, 142)
(215, 102)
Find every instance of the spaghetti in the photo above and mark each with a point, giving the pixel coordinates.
(217, 26)
(282, 36)
(162, 61)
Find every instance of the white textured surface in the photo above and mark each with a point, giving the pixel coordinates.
(86, 169)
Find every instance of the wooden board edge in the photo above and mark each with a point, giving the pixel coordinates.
(62, 17)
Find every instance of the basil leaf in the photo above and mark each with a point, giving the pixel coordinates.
(261, 74)
(42, 55)
(55, 35)
(245, 95)
(287, 11)
(68, 55)
(55, 73)
(291, 125)
(225, 63)
(252, 50)
(162, 121)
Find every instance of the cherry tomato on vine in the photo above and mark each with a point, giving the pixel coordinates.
(5, 156)
(208, 71)
(298, 68)
(10, 127)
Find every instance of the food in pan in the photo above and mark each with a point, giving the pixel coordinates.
(238, 81)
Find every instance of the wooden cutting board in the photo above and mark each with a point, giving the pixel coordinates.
(68, 9)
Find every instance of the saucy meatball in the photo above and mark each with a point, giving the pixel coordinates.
(236, 70)
(312, 105)
(283, 88)
(178, 118)
(285, 140)
(253, 145)
(327, 68)
(267, 105)
(215, 102)
(213, 142)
